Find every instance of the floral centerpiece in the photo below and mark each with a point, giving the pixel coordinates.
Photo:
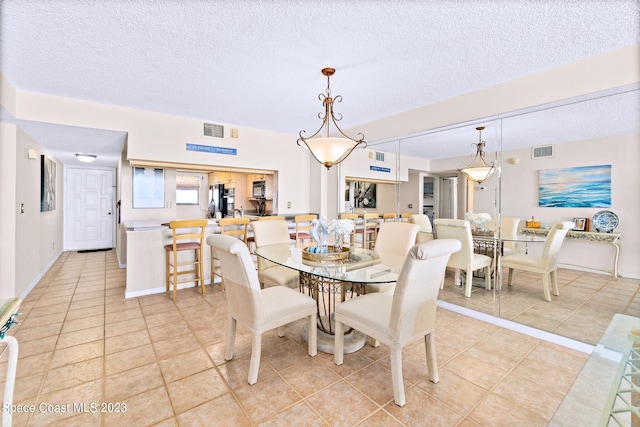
(477, 219)
(339, 228)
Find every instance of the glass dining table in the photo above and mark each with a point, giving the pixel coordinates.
(330, 282)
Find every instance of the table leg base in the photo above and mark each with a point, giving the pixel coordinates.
(353, 341)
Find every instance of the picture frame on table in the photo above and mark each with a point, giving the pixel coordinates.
(580, 224)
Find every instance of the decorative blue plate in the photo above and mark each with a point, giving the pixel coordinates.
(605, 221)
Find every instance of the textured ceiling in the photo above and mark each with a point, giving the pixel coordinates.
(257, 63)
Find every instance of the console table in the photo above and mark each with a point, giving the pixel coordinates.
(611, 238)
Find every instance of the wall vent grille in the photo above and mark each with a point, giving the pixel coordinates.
(540, 152)
(212, 130)
(379, 156)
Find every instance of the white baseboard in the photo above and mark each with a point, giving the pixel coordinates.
(39, 277)
(520, 328)
(159, 290)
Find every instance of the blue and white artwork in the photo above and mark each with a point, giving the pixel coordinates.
(579, 187)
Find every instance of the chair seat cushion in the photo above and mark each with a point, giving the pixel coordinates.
(523, 262)
(183, 246)
(278, 275)
(480, 261)
(370, 310)
(281, 303)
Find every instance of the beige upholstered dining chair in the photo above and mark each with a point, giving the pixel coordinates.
(426, 231)
(269, 273)
(405, 316)
(508, 232)
(465, 259)
(547, 264)
(258, 309)
(393, 243)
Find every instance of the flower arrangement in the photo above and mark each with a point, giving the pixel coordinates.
(340, 226)
(478, 218)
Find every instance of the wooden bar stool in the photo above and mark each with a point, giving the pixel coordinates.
(188, 235)
(369, 229)
(352, 235)
(405, 216)
(236, 227)
(391, 216)
(303, 228)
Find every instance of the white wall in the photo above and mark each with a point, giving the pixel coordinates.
(162, 138)
(520, 196)
(39, 235)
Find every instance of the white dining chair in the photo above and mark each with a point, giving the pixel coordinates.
(270, 273)
(426, 230)
(546, 264)
(405, 316)
(393, 243)
(465, 259)
(508, 233)
(258, 309)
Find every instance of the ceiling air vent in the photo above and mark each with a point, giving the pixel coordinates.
(539, 152)
(212, 130)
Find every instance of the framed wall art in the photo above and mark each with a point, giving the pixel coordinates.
(364, 194)
(577, 187)
(47, 184)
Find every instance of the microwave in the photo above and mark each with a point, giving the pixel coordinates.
(259, 189)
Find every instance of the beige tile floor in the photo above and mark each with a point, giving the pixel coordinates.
(81, 341)
(582, 311)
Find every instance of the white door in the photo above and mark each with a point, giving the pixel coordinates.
(90, 216)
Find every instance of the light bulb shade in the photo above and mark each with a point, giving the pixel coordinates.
(478, 173)
(330, 150)
(86, 158)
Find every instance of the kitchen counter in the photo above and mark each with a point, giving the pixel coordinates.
(145, 256)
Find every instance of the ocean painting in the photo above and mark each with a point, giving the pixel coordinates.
(579, 187)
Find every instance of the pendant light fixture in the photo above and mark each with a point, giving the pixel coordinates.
(326, 149)
(479, 170)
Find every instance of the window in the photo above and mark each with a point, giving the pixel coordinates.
(187, 189)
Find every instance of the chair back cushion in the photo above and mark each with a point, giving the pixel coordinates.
(394, 241)
(242, 288)
(423, 222)
(270, 232)
(509, 229)
(552, 244)
(458, 229)
(413, 311)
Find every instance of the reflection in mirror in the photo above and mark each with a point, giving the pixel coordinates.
(596, 129)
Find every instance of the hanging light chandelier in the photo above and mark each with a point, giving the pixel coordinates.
(479, 170)
(326, 149)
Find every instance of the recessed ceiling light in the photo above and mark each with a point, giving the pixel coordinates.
(87, 158)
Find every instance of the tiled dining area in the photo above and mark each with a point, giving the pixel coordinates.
(162, 360)
(582, 311)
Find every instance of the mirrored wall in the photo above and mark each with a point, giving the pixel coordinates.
(596, 129)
